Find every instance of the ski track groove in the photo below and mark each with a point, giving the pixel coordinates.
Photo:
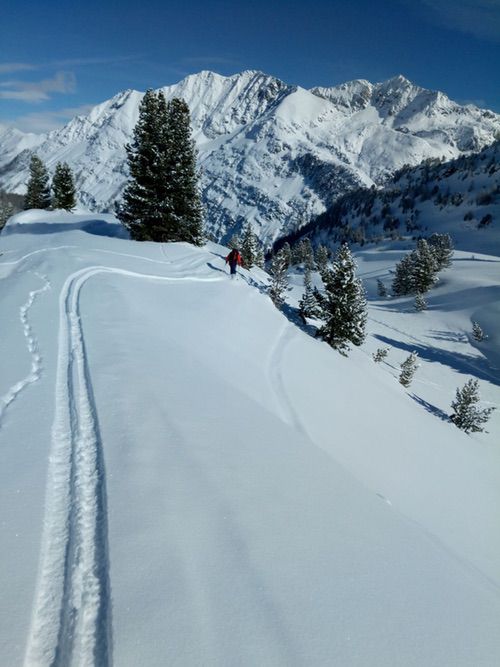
(33, 348)
(71, 616)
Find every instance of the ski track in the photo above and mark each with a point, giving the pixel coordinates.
(71, 618)
(275, 364)
(33, 348)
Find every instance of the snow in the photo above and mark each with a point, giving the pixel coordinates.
(188, 478)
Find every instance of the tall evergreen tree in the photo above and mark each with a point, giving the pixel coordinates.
(279, 282)
(38, 192)
(343, 305)
(63, 187)
(322, 257)
(187, 210)
(161, 201)
(248, 246)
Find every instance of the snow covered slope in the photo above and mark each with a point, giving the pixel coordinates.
(269, 152)
(189, 479)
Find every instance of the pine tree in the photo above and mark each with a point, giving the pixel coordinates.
(441, 246)
(408, 368)
(279, 282)
(380, 354)
(308, 254)
(424, 268)
(63, 188)
(187, 212)
(403, 279)
(466, 415)
(343, 304)
(38, 192)
(420, 302)
(381, 288)
(477, 333)
(248, 246)
(308, 305)
(146, 203)
(260, 259)
(161, 201)
(322, 258)
(288, 253)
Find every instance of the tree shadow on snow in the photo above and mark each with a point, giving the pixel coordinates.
(433, 409)
(452, 336)
(462, 363)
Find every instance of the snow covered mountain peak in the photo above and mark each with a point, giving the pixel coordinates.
(270, 153)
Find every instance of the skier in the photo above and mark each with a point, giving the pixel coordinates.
(233, 259)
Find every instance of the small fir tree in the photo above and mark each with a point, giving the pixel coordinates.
(63, 187)
(380, 354)
(308, 305)
(381, 288)
(343, 305)
(38, 192)
(308, 254)
(279, 282)
(408, 368)
(477, 333)
(466, 415)
(420, 303)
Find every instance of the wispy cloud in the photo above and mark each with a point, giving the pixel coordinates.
(45, 121)
(8, 68)
(480, 18)
(37, 91)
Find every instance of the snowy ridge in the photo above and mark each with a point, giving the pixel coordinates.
(269, 152)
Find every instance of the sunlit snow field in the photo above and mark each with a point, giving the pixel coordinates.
(189, 478)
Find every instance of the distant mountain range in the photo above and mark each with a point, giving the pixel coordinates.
(271, 153)
(460, 197)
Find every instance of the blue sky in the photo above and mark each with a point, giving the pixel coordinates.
(57, 60)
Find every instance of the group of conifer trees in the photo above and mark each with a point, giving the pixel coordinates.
(42, 194)
(161, 200)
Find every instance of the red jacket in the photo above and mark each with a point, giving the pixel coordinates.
(234, 257)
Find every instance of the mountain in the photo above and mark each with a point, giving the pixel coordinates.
(460, 197)
(269, 152)
(188, 478)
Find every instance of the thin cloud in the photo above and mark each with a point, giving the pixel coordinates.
(480, 18)
(38, 91)
(46, 121)
(8, 68)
